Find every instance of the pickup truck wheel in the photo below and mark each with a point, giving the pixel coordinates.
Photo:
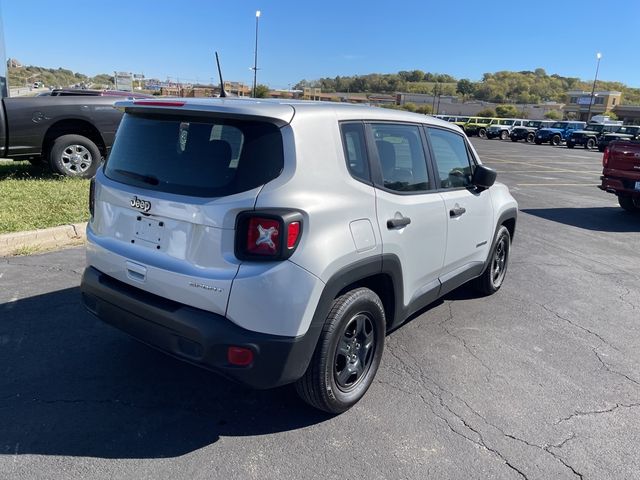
(74, 156)
(628, 204)
(504, 135)
(482, 133)
(348, 353)
(530, 137)
(591, 144)
(555, 140)
(491, 279)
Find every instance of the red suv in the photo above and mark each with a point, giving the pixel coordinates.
(621, 173)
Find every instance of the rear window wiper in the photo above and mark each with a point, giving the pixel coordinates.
(151, 180)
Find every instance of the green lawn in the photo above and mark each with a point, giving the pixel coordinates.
(32, 198)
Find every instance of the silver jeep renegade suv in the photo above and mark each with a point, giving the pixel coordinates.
(277, 241)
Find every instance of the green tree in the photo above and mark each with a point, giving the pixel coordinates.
(553, 115)
(507, 111)
(487, 112)
(262, 91)
(465, 87)
(611, 115)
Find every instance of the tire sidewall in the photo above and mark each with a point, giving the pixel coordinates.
(64, 141)
(502, 233)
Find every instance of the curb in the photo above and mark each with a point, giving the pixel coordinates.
(48, 238)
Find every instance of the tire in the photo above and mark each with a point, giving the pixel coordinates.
(504, 135)
(493, 276)
(555, 140)
(343, 367)
(74, 156)
(627, 203)
(591, 144)
(482, 133)
(530, 137)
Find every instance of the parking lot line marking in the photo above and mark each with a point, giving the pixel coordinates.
(580, 172)
(557, 184)
(551, 169)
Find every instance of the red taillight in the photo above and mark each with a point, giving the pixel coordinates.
(605, 157)
(158, 103)
(92, 196)
(240, 356)
(267, 235)
(293, 234)
(263, 236)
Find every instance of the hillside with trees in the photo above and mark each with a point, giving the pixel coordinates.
(499, 87)
(25, 76)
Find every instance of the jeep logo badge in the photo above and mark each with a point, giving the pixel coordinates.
(140, 204)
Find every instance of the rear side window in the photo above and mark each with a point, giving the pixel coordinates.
(196, 157)
(451, 157)
(355, 150)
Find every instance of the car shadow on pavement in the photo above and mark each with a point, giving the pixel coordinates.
(72, 386)
(600, 219)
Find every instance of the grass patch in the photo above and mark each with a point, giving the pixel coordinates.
(34, 198)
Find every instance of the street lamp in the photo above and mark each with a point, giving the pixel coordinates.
(593, 88)
(255, 56)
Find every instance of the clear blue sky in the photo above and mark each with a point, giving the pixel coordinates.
(327, 38)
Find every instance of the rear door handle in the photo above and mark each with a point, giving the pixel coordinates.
(398, 222)
(456, 212)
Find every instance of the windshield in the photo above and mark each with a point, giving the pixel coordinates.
(594, 128)
(559, 125)
(197, 157)
(532, 123)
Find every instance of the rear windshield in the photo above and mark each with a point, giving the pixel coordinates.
(197, 157)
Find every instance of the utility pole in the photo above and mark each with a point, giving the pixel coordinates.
(255, 57)
(593, 88)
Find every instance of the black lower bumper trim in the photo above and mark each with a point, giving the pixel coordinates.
(195, 335)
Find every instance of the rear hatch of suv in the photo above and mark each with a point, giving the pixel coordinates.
(166, 202)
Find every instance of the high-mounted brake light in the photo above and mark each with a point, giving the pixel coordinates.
(267, 235)
(605, 157)
(158, 103)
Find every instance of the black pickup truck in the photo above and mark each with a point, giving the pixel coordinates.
(71, 133)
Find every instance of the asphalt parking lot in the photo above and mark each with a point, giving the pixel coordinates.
(540, 381)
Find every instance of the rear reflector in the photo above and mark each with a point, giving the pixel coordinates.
(605, 157)
(292, 235)
(240, 356)
(158, 103)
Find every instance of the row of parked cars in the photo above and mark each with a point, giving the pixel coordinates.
(570, 132)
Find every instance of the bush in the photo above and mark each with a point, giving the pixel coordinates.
(487, 112)
(507, 111)
(553, 115)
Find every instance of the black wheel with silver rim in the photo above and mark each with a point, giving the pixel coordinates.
(504, 135)
(555, 140)
(74, 156)
(493, 276)
(348, 353)
(591, 144)
(530, 137)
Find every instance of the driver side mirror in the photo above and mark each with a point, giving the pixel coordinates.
(483, 177)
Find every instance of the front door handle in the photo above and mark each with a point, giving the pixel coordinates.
(398, 222)
(456, 212)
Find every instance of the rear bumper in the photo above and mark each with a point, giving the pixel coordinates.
(619, 186)
(195, 335)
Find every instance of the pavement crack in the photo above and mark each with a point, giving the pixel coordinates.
(577, 325)
(614, 372)
(615, 407)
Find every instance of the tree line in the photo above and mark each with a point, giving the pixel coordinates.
(500, 87)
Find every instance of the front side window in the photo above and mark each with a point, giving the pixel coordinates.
(402, 159)
(452, 158)
(195, 157)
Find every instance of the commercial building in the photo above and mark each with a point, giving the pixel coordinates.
(578, 101)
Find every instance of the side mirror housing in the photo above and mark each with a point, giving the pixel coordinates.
(483, 177)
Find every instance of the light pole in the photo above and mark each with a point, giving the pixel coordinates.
(593, 88)
(255, 56)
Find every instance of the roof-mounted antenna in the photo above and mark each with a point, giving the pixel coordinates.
(222, 92)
